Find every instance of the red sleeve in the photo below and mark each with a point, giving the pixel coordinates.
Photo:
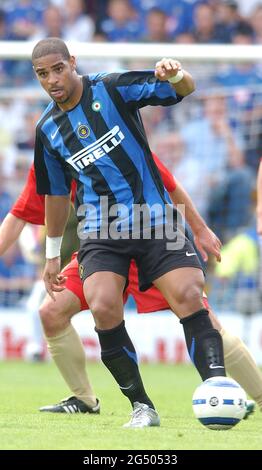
(168, 179)
(30, 206)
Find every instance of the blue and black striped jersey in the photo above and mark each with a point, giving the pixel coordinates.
(102, 144)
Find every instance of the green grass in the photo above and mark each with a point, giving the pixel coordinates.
(25, 387)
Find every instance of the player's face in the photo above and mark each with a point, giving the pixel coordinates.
(59, 79)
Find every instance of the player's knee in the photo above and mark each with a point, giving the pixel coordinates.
(102, 307)
(189, 293)
(105, 313)
(50, 317)
(193, 295)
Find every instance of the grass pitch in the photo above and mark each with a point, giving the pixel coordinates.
(25, 387)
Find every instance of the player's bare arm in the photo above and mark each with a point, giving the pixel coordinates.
(171, 70)
(57, 212)
(10, 230)
(259, 199)
(205, 240)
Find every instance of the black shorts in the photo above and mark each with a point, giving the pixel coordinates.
(152, 257)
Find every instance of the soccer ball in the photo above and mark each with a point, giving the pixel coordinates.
(219, 403)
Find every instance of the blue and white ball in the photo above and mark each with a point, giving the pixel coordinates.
(219, 403)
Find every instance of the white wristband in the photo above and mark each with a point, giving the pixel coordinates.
(177, 78)
(53, 247)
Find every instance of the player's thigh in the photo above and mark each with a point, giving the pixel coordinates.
(104, 287)
(182, 289)
(66, 305)
(104, 294)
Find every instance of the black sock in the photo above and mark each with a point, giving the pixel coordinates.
(119, 356)
(204, 344)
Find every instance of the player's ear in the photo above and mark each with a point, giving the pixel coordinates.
(72, 62)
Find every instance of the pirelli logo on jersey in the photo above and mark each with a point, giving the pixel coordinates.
(98, 149)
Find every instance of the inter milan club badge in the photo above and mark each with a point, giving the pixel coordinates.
(83, 131)
(96, 106)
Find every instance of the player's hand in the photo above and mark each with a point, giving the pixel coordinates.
(206, 242)
(167, 68)
(259, 221)
(54, 281)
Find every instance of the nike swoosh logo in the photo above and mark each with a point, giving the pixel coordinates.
(125, 388)
(190, 254)
(212, 366)
(54, 133)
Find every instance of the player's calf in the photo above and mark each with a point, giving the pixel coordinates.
(204, 344)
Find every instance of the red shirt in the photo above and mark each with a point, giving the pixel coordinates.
(30, 206)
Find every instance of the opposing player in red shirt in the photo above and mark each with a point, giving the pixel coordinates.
(64, 343)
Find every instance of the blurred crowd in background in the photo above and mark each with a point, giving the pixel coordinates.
(212, 141)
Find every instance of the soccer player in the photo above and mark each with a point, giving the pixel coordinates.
(61, 337)
(92, 131)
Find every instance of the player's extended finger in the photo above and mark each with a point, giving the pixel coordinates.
(218, 242)
(203, 253)
(216, 252)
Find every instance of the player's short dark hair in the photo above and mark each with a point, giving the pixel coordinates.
(50, 46)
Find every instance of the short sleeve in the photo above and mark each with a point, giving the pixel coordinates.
(142, 88)
(30, 206)
(52, 177)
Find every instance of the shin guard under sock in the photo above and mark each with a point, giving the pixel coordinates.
(204, 344)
